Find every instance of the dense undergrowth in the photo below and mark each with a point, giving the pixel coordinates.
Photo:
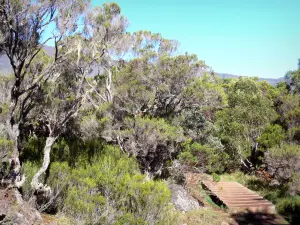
(107, 189)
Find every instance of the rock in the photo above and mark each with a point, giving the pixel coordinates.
(181, 199)
(274, 183)
(177, 172)
(224, 223)
(15, 211)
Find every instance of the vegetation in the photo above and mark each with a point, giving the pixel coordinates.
(93, 131)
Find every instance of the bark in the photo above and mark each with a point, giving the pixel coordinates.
(109, 96)
(13, 178)
(13, 133)
(35, 180)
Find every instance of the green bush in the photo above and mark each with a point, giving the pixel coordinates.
(33, 149)
(294, 134)
(294, 184)
(6, 148)
(283, 162)
(290, 208)
(111, 190)
(29, 169)
(272, 136)
(203, 157)
(216, 177)
(58, 179)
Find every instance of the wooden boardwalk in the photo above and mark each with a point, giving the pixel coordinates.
(237, 197)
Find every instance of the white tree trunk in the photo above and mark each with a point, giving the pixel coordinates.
(35, 180)
(109, 96)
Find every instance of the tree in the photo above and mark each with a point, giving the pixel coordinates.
(249, 112)
(293, 79)
(103, 28)
(60, 81)
(164, 87)
(23, 24)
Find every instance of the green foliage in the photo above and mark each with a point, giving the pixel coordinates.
(203, 157)
(29, 169)
(294, 134)
(249, 113)
(112, 191)
(288, 105)
(156, 105)
(216, 177)
(33, 149)
(6, 147)
(285, 150)
(293, 80)
(290, 208)
(156, 139)
(294, 184)
(206, 93)
(283, 161)
(272, 136)
(58, 179)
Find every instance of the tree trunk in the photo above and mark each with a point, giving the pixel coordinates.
(13, 177)
(109, 96)
(35, 180)
(13, 133)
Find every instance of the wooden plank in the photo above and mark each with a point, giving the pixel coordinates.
(236, 196)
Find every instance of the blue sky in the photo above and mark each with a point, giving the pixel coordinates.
(243, 37)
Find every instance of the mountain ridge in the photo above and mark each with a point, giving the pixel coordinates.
(272, 81)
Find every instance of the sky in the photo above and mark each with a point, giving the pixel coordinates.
(242, 37)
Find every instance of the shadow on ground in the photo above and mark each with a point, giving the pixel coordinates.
(257, 218)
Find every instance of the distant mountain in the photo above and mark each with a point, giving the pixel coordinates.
(5, 68)
(272, 81)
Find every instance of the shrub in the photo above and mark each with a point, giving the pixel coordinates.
(29, 169)
(290, 208)
(294, 134)
(283, 162)
(294, 184)
(58, 179)
(203, 157)
(111, 190)
(152, 141)
(272, 136)
(6, 147)
(216, 177)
